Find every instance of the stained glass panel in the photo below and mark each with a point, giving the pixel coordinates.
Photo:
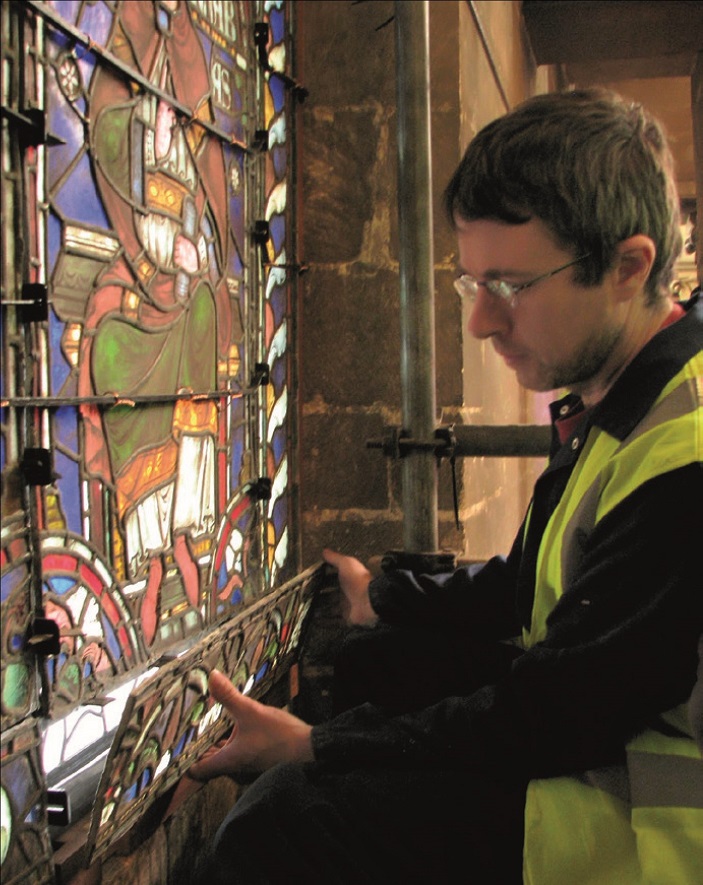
(25, 851)
(17, 663)
(171, 718)
(147, 271)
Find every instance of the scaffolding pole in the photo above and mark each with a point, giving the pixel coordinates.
(419, 468)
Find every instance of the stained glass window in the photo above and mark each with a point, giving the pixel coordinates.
(25, 851)
(147, 270)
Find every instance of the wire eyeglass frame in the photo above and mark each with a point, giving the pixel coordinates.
(467, 286)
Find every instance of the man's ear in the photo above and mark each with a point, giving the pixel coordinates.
(633, 264)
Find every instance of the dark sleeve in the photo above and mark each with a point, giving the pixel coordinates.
(621, 648)
(481, 598)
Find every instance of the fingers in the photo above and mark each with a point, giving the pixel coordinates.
(332, 558)
(344, 564)
(219, 759)
(263, 736)
(215, 762)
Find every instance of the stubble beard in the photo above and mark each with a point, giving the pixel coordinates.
(587, 365)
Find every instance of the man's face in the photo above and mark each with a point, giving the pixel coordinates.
(558, 334)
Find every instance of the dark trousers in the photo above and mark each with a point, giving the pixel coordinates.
(319, 825)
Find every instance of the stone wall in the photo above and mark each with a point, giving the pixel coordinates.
(348, 312)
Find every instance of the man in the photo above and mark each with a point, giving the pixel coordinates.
(566, 755)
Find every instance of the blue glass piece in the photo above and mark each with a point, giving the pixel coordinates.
(67, 126)
(67, 9)
(12, 580)
(66, 430)
(60, 585)
(278, 444)
(278, 93)
(59, 367)
(110, 638)
(78, 200)
(96, 21)
(178, 749)
(137, 162)
(278, 232)
(69, 490)
(162, 18)
(279, 155)
(236, 265)
(61, 40)
(280, 514)
(277, 23)
(278, 375)
(54, 238)
(278, 304)
(86, 61)
(17, 781)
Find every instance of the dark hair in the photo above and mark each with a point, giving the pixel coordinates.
(594, 168)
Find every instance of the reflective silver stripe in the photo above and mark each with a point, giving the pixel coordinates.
(665, 780)
(611, 779)
(683, 400)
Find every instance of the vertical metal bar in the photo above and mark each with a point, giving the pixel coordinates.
(419, 490)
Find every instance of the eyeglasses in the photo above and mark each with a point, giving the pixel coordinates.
(468, 287)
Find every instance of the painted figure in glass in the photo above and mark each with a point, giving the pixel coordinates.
(160, 315)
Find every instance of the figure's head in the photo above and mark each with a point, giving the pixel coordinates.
(594, 168)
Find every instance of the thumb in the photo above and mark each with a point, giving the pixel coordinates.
(217, 759)
(332, 558)
(238, 705)
(222, 690)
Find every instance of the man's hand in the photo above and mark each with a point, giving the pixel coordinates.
(354, 580)
(262, 736)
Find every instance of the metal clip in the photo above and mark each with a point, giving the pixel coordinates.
(30, 125)
(261, 39)
(260, 489)
(260, 142)
(34, 306)
(260, 235)
(43, 637)
(36, 467)
(261, 376)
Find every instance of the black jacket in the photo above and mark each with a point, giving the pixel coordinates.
(572, 701)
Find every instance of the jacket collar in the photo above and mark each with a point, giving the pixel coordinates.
(635, 391)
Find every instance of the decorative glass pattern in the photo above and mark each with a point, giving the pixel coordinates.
(145, 448)
(25, 849)
(171, 718)
(17, 663)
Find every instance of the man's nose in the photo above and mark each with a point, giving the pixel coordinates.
(490, 315)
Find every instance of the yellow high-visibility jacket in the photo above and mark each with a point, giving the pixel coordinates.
(641, 822)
